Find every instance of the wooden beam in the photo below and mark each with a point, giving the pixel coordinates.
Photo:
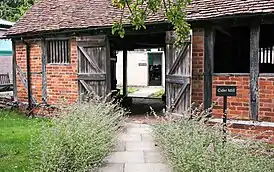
(89, 76)
(254, 70)
(180, 58)
(124, 73)
(209, 41)
(44, 71)
(30, 102)
(14, 64)
(177, 79)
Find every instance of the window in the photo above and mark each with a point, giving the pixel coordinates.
(231, 51)
(266, 51)
(58, 51)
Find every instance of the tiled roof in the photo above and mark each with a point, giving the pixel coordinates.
(52, 15)
(209, 9)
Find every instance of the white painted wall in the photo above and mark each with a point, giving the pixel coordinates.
(137, 75)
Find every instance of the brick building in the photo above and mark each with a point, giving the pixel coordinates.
(62, 52)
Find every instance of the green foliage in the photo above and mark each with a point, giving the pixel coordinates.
(191, 146)
(129, 90)
(140, 10)
(79, 138)
(13, 10)
(159, 93)
(16, 131)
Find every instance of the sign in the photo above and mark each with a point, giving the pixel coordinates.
(226, 91)
(142, 64)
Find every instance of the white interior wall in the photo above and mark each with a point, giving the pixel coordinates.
(137, 72)
(138, 75)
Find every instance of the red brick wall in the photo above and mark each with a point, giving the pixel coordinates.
(238, 106)
(21, 63)
(266, 99)
(61, 79)
(197, 65)
(35, 70)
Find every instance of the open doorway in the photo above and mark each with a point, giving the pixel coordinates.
(156, 67)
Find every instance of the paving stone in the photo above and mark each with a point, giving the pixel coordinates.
(120, 146)
(141, 146)
(148, 167)
(144, 126)
(153, 157)
(142, 130)
(112, 168)
(130, 137)
(147, 138)
(135, 152)
(125, 157)
(132, 125)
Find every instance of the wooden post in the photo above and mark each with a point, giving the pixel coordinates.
(44, 72)
(30, 102)
(209, 41)
(14, 66)
(254, 70)
(124, 73)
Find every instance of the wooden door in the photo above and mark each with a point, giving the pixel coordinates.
(93, 66)
(178, 75)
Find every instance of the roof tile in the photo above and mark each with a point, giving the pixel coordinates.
(51, 15)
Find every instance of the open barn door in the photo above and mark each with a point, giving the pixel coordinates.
(93, 66)
(178, 74)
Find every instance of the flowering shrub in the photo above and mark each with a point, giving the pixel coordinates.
(192, 146)
(79, 137)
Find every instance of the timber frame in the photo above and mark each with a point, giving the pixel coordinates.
(210, 27)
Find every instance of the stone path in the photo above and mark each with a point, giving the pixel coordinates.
(135, 152)
(145, 91)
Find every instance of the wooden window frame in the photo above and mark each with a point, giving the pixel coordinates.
(65, 60)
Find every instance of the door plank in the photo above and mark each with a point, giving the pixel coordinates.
(179, 59)
(91, 76)
(90, 60)
(86, 86)
(180, 93)
(177, 79)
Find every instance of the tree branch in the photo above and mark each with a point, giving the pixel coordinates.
(129, 7)
(121, 19)
(165, 6)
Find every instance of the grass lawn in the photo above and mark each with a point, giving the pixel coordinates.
(15, 134)
(158, 94)
(129, 90)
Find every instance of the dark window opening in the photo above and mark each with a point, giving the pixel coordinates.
(266, 51)
(58, 51)
(231, 51)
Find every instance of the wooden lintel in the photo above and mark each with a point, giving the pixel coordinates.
(209, 41)
(254, 70)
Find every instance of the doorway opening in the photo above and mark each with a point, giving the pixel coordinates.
(135, 65)
(156, 67)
